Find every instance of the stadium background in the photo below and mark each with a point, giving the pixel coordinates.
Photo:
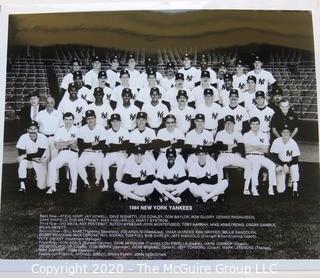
(41, 46)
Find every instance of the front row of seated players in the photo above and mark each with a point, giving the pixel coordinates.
(80, 147)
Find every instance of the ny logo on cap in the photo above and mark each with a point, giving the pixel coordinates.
(79, 109)
(261, 81)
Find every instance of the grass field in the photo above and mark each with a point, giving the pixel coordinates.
(297, 233)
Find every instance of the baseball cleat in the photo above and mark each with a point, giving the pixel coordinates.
(73, 190)
(295, 194)
(246, 192)
(255, 193)
(22, 190)
(104, 189)
(50, 191)
(270, 192)
(204, 199)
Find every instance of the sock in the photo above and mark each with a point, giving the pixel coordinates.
(295, 186)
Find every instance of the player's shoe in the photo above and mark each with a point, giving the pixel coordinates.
(214, 198)
(295, 194)
(22, 190)
(73, 190)
(105, 189)
(255, 193)
(50, 191)
(221, 198)
(246, 192)
(271, 191)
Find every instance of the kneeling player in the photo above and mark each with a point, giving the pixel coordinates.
(138, 177)
(171, 176)
(285, 152)
(203, 176)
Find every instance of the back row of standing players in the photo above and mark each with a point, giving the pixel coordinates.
(191, 98)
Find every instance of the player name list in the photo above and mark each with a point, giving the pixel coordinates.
(142, 235)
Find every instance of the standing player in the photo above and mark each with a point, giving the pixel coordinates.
(204, 67)
(222, 70)
(224, 93)
(203, 177)
(127, 110)
(138, 176)
(155, 109)
(91, 77)
(101, 108)
(276, 97)
(116, 140)
(133, 72)
(169, 81)
(230, 144)
(49, 121)
(264, 78)
(91, 144)
(257, 146)
(285, 153)
(184, 114)
(68, 78)
(112, 73)
(65, 141)
(239, 78)
(191, 73)
(102, 83)
(75, 105)
(204, 84)
(171, 176)
(149, 65)
(247, 98)
(32, 148)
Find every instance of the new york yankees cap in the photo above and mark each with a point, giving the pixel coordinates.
(222, 64)
(257, 58)
(187, 55)
(179, 76)
(126, 91)
(33, 123)
(72, 86)
(123, 72)
(204, 57)
(114, 57)
(277, 91)
(130, 56)
(227, 76)
(239, 63)
(148, 61)
(234, 92)
(115, 117)
(229, 118)
(98, 91)
(199, 116)
(154, 90)
(150, 72)
(142, 115)
(102, 74)
(74, 60)
(90, 113)
(182, 93)
(208, 91)
(170, 65)
(95, 58)
(285, 127)
(205, 73)
(200, 149)
(171, 152)
(77, 75)
(260, 94)
(252, 77)
(169, 116)
(138, 149)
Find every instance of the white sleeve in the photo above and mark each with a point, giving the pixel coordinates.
(128, 167)
(275, 147)
(270, 78)
(296, 151)
(65, 82)
(43, 142)
(81, 133)
(21, 144)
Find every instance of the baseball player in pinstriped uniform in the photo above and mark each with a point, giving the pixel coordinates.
(133, 72)
(169, 81)
(91, 77)
(239, 79)
(224, 93)
(65, 141)
(190, 73)
(102, 83)
(68, 78)
(204, 67)
(247, 98)
(222, 70)
(112, 73)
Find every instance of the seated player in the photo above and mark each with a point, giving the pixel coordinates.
(230, 144)
(285, 152)
(32, 153)
(65, 141)
(171, 176)
(203, 177)
(91, 144)
(138, 176)
(116, 140)
(257, 146)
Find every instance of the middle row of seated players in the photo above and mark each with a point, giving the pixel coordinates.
(103, 148)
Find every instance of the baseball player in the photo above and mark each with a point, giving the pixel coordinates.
(133, 72)
(155, 109)
(204, 84)
(224, 93)
(65, 141)
(91, 77)
(211, 111)
(237, 111)
(68, 78)
(204, 67)
(263, 112)
(91, 145)
(143, 79)
(276, 97)
(191, 73)
(247, 98)
(184, 114)
(73, 104)
(264, 78)
(239, 78)
(257, 146)
(32, 148)
(203, 177)
(169, 81)
(116, 140)
(49, 121)
(112, 73)
(102, 83)
(171, 178)
(101, 107)
(285, 152)
(230, 144)
(222, 70)
(171, 95)
(127, 110)
(138, 176)
(124, 83)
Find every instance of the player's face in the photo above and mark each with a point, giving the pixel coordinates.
(96, 65)
(170, 71)
(50, 104)
(102, 81)
(34, 101)
(255, 126)
(208, 98)
(187, 63)
(228, 83)
(251, 85)
(98, 97)
(284, 107)
(141, 123)
(229, 126)
(222, 70)
(152, 81)
(131, 63)
(257, 64)
(239, 69)
(115, 125)
(138, 158)
(32, 130)
(277, 98)
(285, 134)
(91, 121)
(75, 66)
(203, 64)
(234, 99)
(78, 83)
(155, 97)
(179, 83)
(205, 80)
(73, 93)
(68, 122)
(170, 124)
(126, 98)
(115, 64)
(182, 101)
(125, 79)
(199, 124)
(202, 158)
(260, 101)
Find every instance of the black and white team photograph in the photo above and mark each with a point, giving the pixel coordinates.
(111, 119)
